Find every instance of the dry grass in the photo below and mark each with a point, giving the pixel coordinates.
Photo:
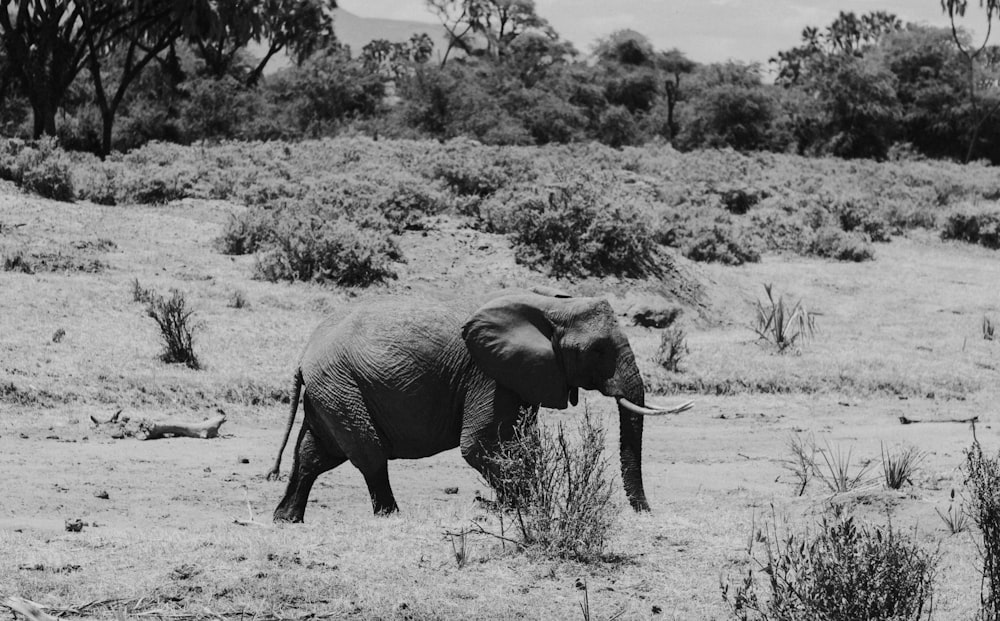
(906, 325)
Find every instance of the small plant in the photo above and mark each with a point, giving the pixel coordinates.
(845, 572)
(898, 468)
(173, 316)
(837, 474)
(983, 483)
(673, 348)
(989, 329)
(955, 517)
(459, 549)
(781, 324)
(140, 293)
(238, 299)
(802, 464)
(18, 262)
(561, 492)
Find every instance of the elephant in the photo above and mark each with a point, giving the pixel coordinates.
(395, 381)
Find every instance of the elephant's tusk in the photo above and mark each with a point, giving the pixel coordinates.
(656, 410)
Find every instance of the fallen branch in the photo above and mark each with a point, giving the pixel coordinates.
(911, 421)
(28, 608)
(154, 430)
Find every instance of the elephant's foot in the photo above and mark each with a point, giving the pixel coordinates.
(288, 515)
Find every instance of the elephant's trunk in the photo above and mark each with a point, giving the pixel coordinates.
(627, 383)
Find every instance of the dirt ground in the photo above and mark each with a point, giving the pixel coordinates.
(160, 536)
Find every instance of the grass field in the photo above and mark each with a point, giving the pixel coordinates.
(900, 335)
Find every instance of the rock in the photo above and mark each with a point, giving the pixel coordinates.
(451, 490)
(74, 526)
(654, 313)
(103, 495)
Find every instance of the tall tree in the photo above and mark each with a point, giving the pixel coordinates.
(674, 64)
(299, 26)
(971, 53)
(49, 42)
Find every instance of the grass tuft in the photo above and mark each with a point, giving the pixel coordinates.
(837, 474)
(899, 468)
(955, 518)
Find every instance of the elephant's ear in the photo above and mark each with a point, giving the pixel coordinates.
(511, 340)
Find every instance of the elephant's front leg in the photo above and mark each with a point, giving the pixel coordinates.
(490, 418)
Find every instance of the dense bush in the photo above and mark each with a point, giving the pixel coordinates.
(845, 572)
(584, 229)
(305, 246)
(834, 243)
(975, 226)
(724, 244)
(39, 167)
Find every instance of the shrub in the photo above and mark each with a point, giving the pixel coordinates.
(845, 572)
(582, 230)
(722, 244)
(42, 168)
(140, 293)
(406, 205)
(983, 482)
(673, 347)
(781, 324)
(855, 215)
(833, 243)
(174, 318)
(975, 227)
(470, 173)
(738, 201)
(560, 491)
(309, 247)
(246, 232)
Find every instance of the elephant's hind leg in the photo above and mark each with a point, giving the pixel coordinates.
(377, 478)
(311, 460)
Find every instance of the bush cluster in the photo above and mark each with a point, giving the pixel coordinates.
(304, 246)
(845, 571)
(583, 228)
(979, 226)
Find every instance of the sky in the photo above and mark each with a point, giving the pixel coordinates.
(705, 30)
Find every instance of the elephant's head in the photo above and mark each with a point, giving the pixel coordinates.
(546, 348)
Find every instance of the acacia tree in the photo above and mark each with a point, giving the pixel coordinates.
(956, 8)
(300, 26)
(493, 23)
(49, 42)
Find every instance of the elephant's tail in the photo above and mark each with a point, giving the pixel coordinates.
(296, 390)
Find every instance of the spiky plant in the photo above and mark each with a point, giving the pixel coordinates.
(782, 324)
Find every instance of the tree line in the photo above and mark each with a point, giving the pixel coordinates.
(114, 74)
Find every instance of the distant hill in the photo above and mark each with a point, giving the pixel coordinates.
(356, 32)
